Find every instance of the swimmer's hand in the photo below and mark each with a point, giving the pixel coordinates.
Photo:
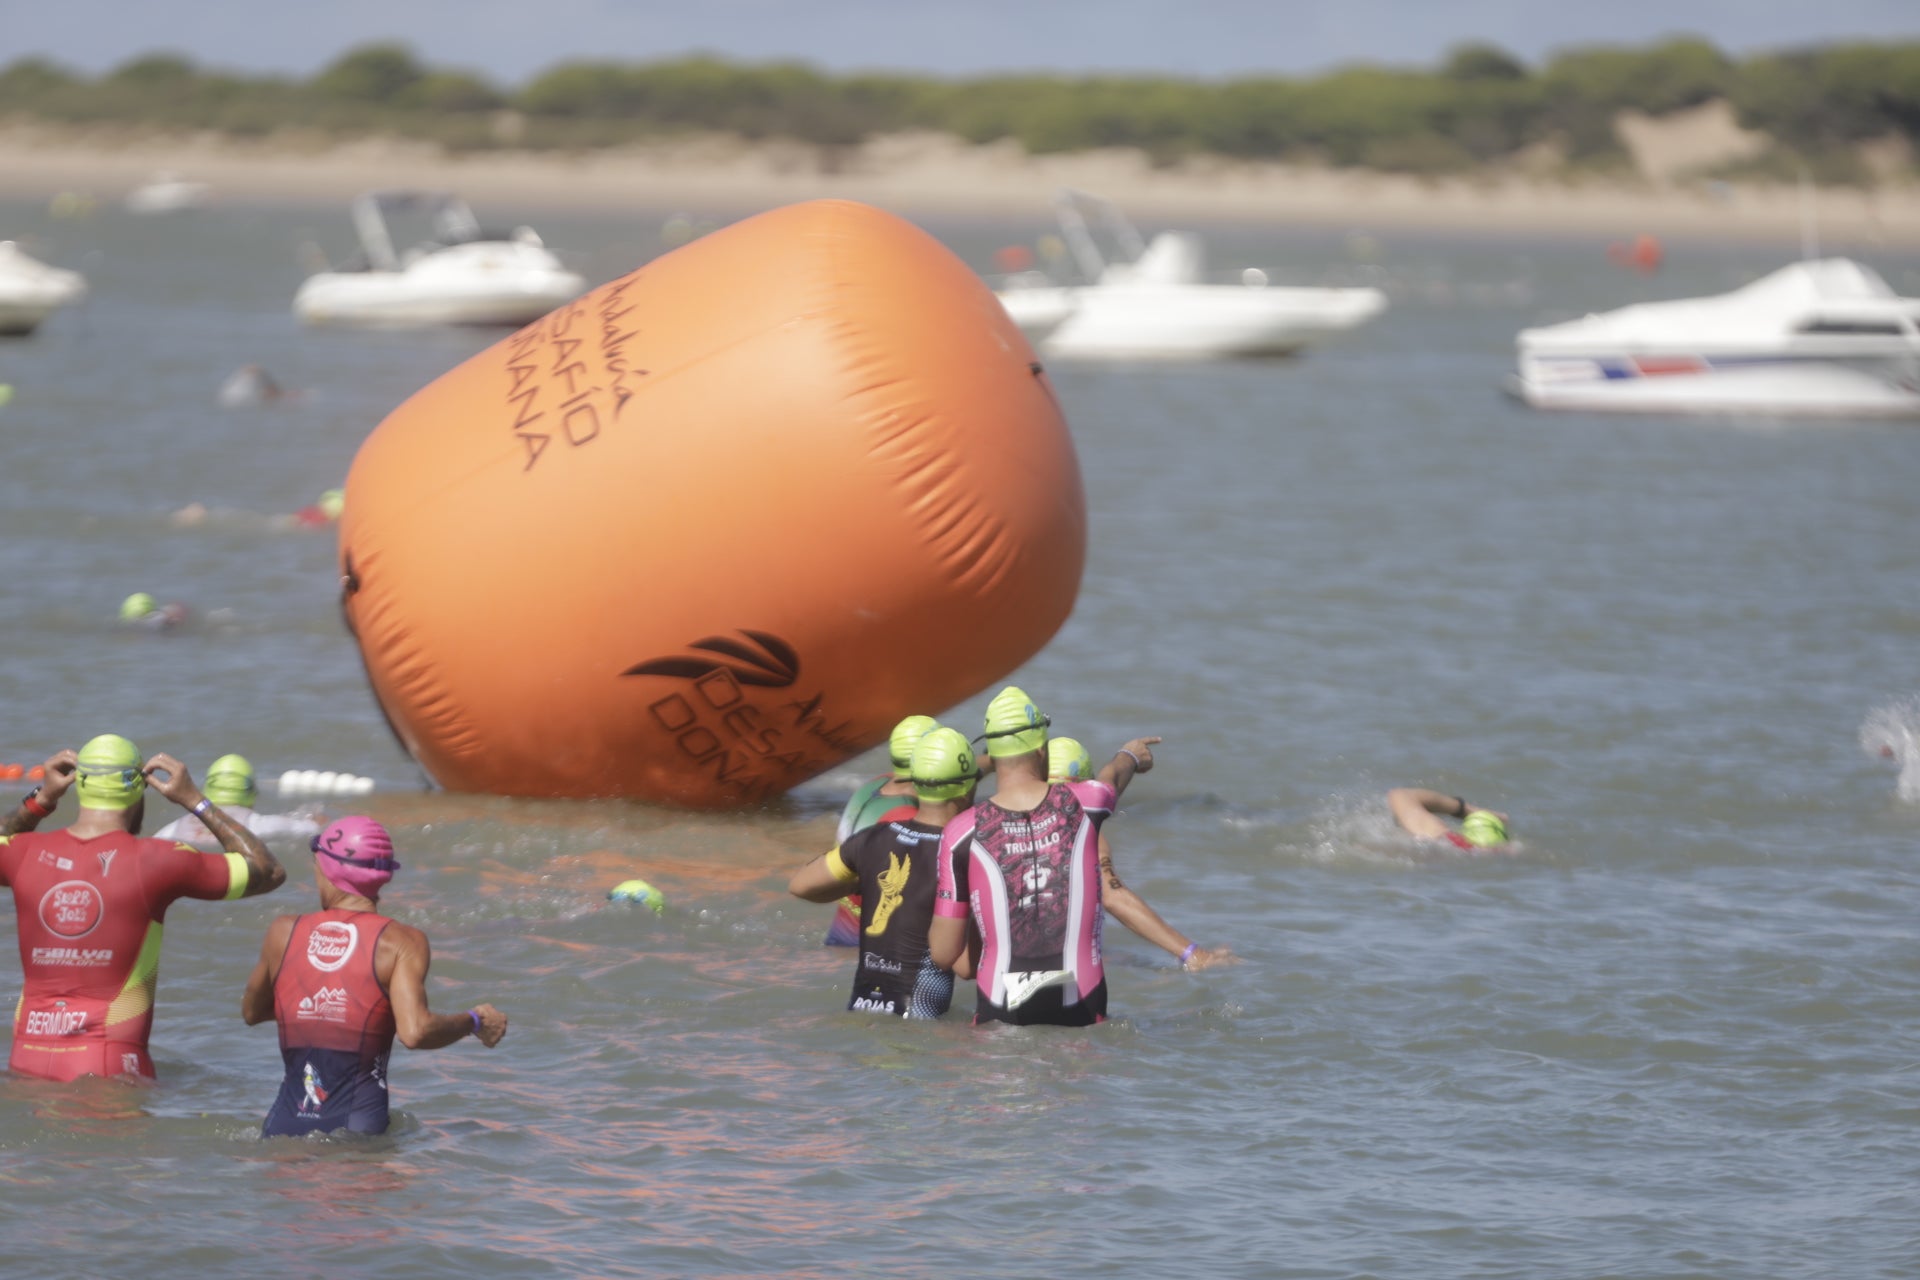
(170, 778)
(493, 1025)
(1141, 749)
(1208, 957)
(59, 770)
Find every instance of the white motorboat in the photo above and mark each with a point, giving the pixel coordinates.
(167, 194)
(30, 290)
(1143, 299)
(462, 275)
(1826, 336)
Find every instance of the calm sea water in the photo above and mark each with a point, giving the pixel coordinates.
(1675, 1034)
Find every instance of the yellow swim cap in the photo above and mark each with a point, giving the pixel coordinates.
(1068, 761)
(230, 782)
(137, 606)
(1014, 725)
(1483, 828)
(905, 737)
(943, 766)
(332, 503)
(109, 775)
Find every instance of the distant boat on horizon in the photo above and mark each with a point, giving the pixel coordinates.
(1151, 300)
(30, 290)
(166, 193)
(462, 275)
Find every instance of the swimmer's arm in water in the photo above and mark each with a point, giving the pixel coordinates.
(256, 1002)
(1416, 810)
(264, 872)
(59, 771)
(1136, 756)
(417, 1026)
(1131, 910)
(825, 879)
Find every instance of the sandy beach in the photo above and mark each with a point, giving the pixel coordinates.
(929, 174)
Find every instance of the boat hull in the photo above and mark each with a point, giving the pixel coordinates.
(1750, 384)
(491, 282)
(1185, 322)
(375, 298)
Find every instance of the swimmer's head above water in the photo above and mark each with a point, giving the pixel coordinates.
(230, 782)
(905, 737)
(943, 766)
(108, 774)
(1068, 761)
(1014, 726)
(355, 855)
(1483, 829)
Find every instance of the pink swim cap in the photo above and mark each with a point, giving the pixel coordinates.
(356, 854)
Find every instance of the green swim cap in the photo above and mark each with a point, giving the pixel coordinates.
(905, 737)
(1068, 761)
(137, 606)
(943, 766)
(109, 775)
(332, 503)
(1014, 725)
(230, 782)
(1483, 828)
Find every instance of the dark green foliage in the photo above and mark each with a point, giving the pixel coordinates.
(1482, 104)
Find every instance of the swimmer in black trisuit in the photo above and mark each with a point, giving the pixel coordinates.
(893, 865)
(1421, 811)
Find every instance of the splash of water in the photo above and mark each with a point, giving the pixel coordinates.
(1892, 732)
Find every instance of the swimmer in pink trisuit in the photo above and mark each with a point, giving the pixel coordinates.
(1020, 873)
(1068, 761)
(1420, 811)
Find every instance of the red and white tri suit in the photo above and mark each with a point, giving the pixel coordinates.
(90, 915)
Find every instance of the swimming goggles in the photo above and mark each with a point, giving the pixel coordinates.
(371, 864)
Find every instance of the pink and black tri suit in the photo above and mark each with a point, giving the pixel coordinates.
(336, 1027)
(1031, 882)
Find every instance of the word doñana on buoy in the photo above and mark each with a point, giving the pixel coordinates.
(715, 526)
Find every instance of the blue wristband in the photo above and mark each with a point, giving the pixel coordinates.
(1188, 953)
(474, 1014)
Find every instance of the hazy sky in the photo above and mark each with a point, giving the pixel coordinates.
(510, 40)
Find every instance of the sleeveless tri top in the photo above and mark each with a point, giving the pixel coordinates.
(336, 1027)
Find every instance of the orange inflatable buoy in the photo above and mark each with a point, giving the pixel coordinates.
(716, 526)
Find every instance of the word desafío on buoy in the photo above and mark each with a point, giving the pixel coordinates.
(714, 527)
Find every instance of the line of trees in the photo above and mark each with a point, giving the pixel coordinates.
(1481, 105)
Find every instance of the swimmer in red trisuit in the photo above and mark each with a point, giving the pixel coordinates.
(342, 982)
(1420, 811)
(90, 901)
